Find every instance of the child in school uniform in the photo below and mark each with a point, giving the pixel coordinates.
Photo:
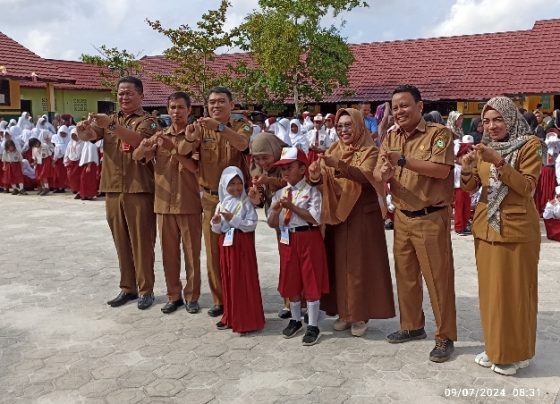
(462, 204)
(11, 166)
(296, 211)
(42, 152)
(72, 158)
(235, 220)
(89, 161)
(60, 142)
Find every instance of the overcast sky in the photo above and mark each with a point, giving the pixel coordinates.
(64, 29)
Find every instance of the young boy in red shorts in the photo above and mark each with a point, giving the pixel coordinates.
(296, 211)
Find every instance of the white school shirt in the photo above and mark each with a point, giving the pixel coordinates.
(89, 154)
(303, 196)
(457, 176)
(551, 211)
(73, 151)
(322, 141)
(244, 218)
(331, 133)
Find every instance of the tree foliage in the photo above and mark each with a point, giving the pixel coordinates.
(193, 50)
(297, 57)
(115, 63)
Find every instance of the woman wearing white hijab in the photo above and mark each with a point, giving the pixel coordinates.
(297, 138)
(72, 158)
(60, 141)
(48, 125)
(24, 122)
(283, 131)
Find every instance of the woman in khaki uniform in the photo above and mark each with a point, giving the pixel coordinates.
(359, 276)
(507, 234)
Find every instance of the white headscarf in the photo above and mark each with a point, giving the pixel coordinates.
(60, 142)
(24, 122)
(228, 202)
(307, 124)
(3, 126)
(89, 154)
(282, 131)
(49, 125)
(74, 148)
(298, 139)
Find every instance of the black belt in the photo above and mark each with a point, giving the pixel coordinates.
(209, 191)
(422, 212)
(301, 228)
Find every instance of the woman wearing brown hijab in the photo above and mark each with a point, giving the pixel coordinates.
(359, 275)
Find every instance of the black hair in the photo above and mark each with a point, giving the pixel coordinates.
(180, 95)
(34, 142)
(221, 90)
(408, 88)
(9, 143)
(134, 81)
(474, 124)
(531, 120)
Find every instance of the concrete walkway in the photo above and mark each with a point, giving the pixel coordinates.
(60, 342)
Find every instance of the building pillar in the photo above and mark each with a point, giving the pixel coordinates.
(51, 105)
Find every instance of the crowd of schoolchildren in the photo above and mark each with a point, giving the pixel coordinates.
(48, 158)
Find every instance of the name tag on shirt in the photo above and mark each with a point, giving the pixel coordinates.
(228, 238)
(285, 235)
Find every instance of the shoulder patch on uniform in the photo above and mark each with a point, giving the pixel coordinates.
(247, 128)
(153, 125)
(440, 142)
(539, 152)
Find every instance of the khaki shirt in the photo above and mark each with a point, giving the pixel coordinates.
(120, 173)
(429, 142)
(177, 190)
(215, 153)
(518, 214)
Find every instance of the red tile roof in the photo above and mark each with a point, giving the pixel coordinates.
(21, 64)
(86, 76)
(467, 67)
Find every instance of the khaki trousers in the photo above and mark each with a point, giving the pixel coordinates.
(132, 221)
(209, 203)
(174, 230)
(422, 248)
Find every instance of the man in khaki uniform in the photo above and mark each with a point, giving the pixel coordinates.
(219, 142)
(129, 189)
(417, 159)
(177, 205)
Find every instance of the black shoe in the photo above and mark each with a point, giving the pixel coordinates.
(222, 326)
(15, 191)
(285, 313)
(145, 301)
(170, 307)
(216, 310)
(78, 196)
(405, 335)
(389, 225)
(466, 232)
(192, 307)
(311, 336)
(292, 329)
(122, 298)
(442, 351)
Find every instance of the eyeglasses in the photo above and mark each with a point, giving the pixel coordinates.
(346, 126)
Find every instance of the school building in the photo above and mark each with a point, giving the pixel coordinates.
(453, 73)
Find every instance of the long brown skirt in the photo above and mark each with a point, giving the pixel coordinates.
(507, 289)
(359, 275)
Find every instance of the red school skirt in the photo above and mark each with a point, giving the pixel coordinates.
(13, 174)
(545, 188)
(45, 170)
(241, 291)
(74, 173)
(88, 181)
(303, 266)
(60, 179)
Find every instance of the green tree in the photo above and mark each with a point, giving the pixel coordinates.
(115, 64)
(296, 56)
(193, 50)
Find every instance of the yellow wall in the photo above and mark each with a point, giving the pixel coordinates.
(14, 97)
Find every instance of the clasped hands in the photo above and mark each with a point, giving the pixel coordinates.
(486, 153)
(315, 167)
(225, 214)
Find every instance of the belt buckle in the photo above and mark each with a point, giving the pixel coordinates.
(426, 211)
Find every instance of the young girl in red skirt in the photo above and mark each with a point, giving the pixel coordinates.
(72, 158)
(42, 151)
(88, 164)
(11, 168)
(235, 220)
(60, 142)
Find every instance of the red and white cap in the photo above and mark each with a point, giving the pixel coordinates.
(305, 114)
(329, 116)
(318, 118)
(467, 139)
(291, 154)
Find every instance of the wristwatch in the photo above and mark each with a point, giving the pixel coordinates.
(221, 127)
(402, 161)
(112, 126)
(173, 151)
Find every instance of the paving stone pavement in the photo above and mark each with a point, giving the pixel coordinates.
(60, 342)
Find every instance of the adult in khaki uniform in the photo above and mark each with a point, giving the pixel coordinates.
(129, 189)
(417, 160)
(177, 205)
(219, 142)
(506, 234)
